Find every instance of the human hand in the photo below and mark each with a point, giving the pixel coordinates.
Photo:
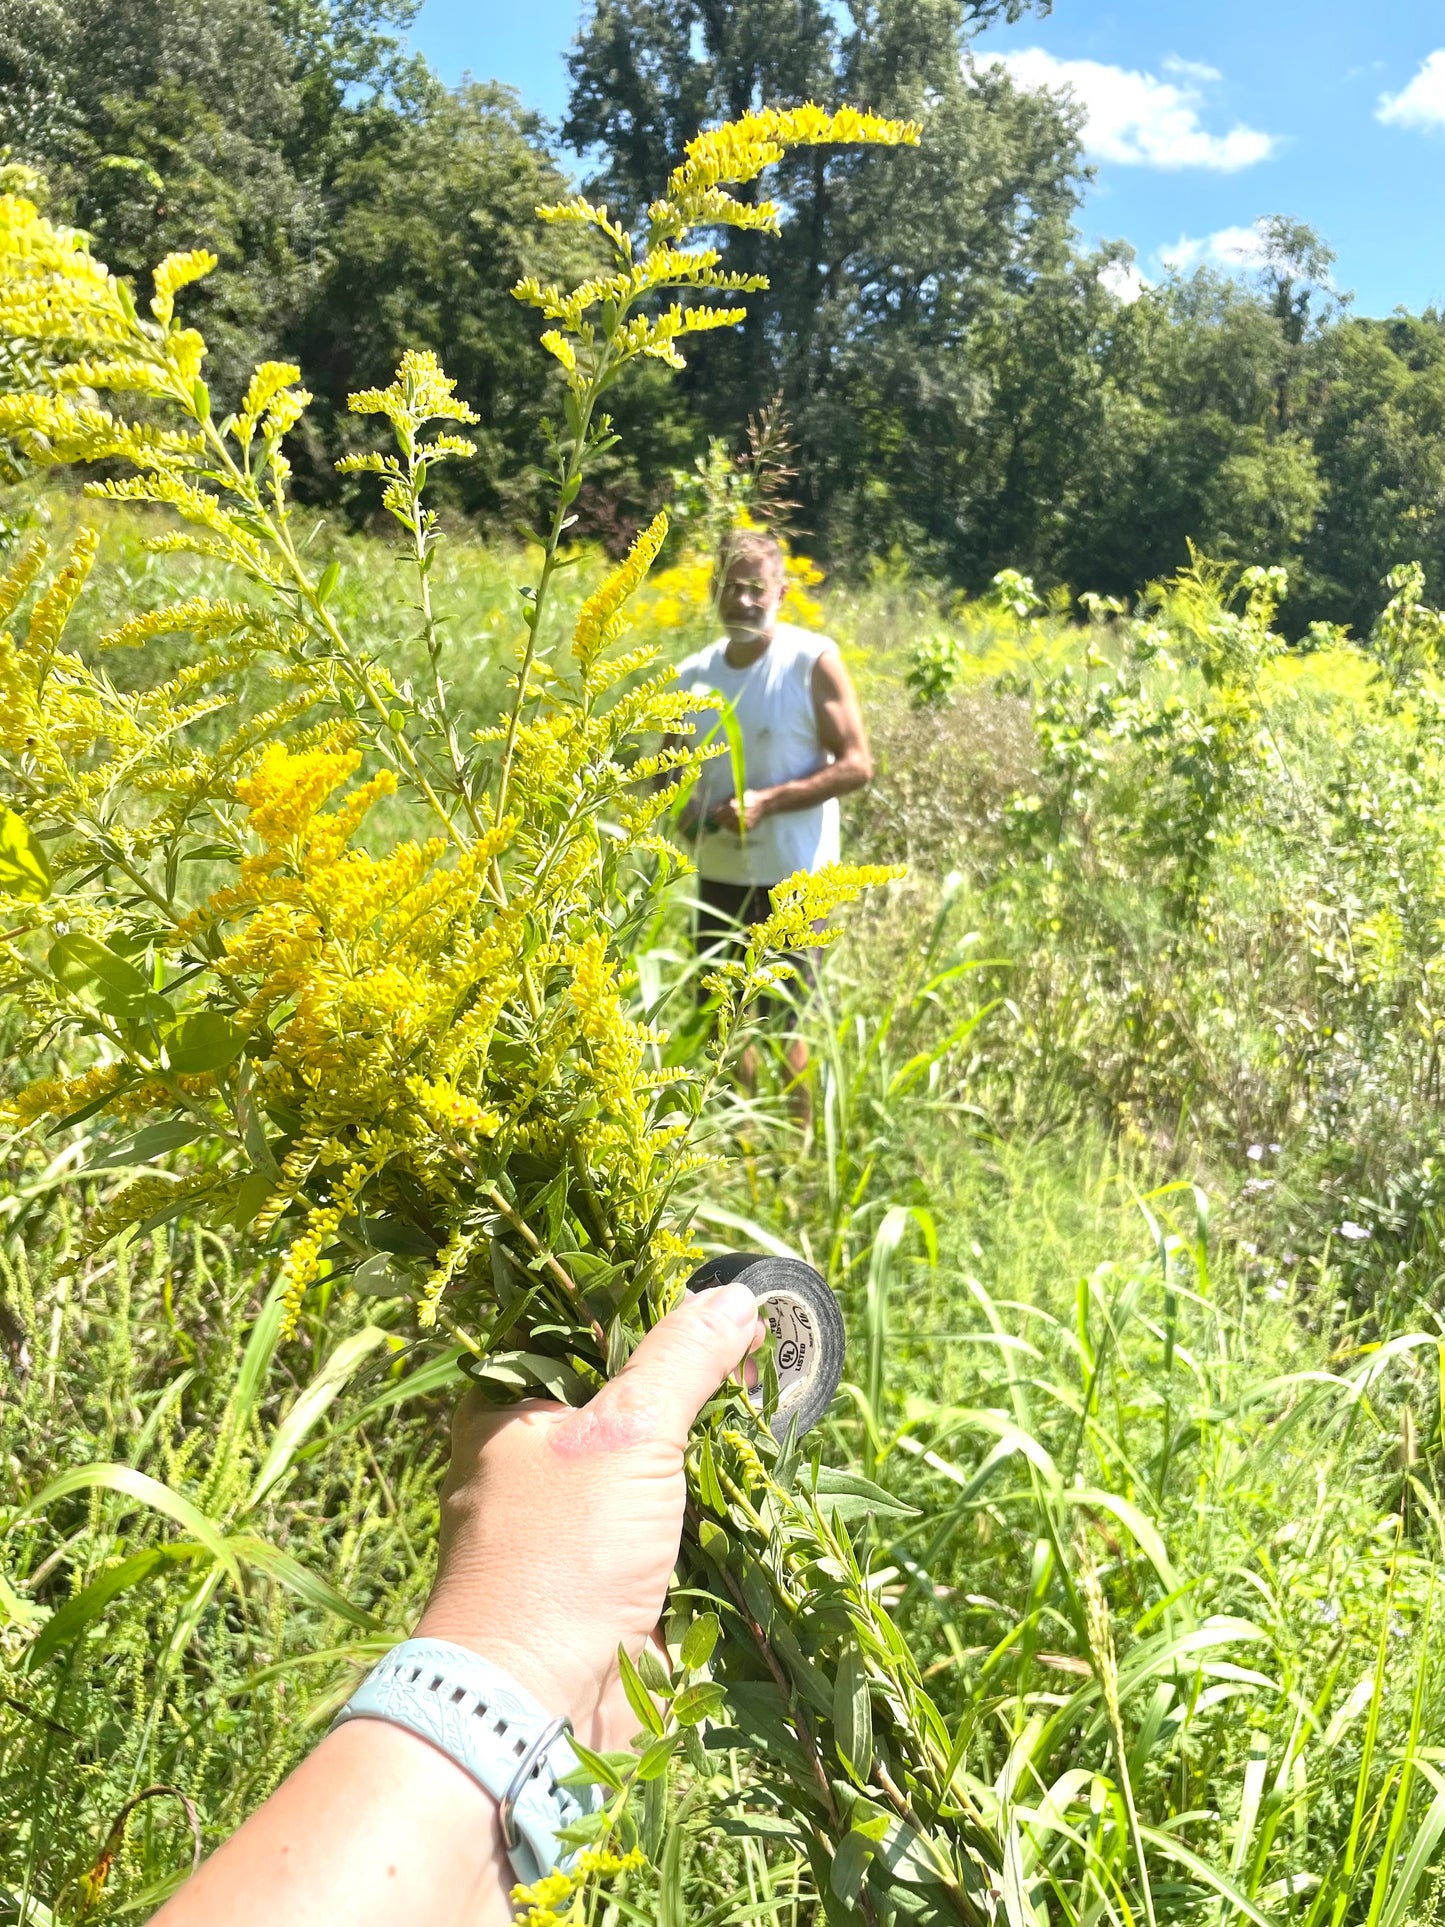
(560, 1527)
(727, 815)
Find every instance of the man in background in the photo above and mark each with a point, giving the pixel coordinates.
(804, 746)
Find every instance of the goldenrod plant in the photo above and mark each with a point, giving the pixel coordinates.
(410, 1062)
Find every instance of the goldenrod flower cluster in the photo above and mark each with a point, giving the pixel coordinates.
(556, 1900)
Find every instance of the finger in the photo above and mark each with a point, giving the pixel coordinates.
(670, 1377)
(687, 1355)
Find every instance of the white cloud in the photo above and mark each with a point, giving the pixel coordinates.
(1123, 280)
(1138, 119)
(1229, 248)
(1421, 104)
(1191, 69)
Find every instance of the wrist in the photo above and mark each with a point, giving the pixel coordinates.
(554, 1681)
(493, 1728)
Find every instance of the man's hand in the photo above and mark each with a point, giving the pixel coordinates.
(727, 816)
(560, 1528)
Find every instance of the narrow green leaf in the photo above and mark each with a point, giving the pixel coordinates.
(638, 1697)
(144, 1490)
(330, 576)
(72, 1619)
(850, 1864)
(311, 1405)
(306, 1585)
(599, 1768)
(657, 1756)
(382, 1276)
(1423, 1847)
(1175, 1849)
(853, 1714)
(848, 1495)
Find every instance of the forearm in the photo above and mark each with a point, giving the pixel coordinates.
(838, 778)
(375, 1828)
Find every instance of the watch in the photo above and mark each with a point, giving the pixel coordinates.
(495, 1731)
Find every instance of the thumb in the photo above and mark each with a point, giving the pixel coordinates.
(686, 1356)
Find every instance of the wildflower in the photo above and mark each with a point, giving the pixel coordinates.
(1349, 1229)
(540, 1905)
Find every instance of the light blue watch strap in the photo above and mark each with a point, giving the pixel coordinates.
(480, 1717)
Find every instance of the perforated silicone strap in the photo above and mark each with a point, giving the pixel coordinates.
(480, 1717)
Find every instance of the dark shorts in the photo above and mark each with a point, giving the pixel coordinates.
(725, 912)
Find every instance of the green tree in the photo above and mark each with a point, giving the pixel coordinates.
(163, 124)
(1379, 438)
(431, 220)
(879, 281)
(1183, 441)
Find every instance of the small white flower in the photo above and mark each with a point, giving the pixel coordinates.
(1255, 1151)
(1349, 1229)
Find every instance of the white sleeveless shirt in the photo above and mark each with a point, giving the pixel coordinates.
(772, 700)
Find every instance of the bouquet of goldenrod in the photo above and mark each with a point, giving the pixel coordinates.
(412, 1061)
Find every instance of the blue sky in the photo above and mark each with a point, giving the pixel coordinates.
(1201, 119)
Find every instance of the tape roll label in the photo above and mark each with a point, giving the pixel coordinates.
(795, 1342)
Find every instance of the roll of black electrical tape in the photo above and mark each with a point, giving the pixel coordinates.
(807, 1327)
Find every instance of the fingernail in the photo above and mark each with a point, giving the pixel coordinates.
(733, 1302)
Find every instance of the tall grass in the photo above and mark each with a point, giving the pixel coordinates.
(1163, 1441)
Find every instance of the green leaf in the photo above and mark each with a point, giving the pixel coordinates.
(530, 1372)
(76, 1614)
(598, 1768)
(24, 866)
(848, 1495)
(382, 1276)
(145, 1490)
(307, 1585)
(330, 576)
(853, 1714)
(204, 1041)
(638, 1697)
(83, 963)
(1145, 1532)
(654, 1674)
(1423, 1844)
(850, 1863)
(699, 1640)
(713, 1540)
(154, 1142)
(657, 1756)
(251, 1194)
(762, 1826)
(311, 1406)
(1175, 1849)
(708, 1486)
(699, 1703)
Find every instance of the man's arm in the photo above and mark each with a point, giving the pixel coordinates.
(840, 731)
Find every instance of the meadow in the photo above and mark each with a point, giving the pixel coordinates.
(1123, 1163)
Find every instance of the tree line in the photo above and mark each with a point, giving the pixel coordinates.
(968, 387)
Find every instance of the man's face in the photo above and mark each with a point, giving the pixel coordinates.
(750, 597)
